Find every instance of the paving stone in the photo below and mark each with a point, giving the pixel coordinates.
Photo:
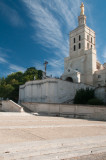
(29, 137)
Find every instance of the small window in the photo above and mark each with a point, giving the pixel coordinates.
(91, 39)
(68, 70)
(91, 46)
(74, 40)
(99, 76)
(74, 47)
(79, 45)
(79, 38)
(87, 45)
(87, 37)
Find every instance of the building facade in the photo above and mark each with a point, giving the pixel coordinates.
(81, 68)
(82, 65)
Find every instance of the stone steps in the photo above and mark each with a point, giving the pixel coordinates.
(54, 149)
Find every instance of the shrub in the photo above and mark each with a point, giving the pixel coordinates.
(83, 96)
(95, 101)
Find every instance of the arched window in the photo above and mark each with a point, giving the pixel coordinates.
(79, 45)
(74, 47)
(74, 40)
(79, 37)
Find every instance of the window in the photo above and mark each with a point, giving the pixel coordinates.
(74, 47)
(87, 45)
(91, 46)
(99, 76)
(68, 70)
(79, 38)
(91, 39)
(74, 40)
(79, 45)
(87, 37)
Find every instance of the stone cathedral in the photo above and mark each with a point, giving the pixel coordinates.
(81, 70)
(81, 65)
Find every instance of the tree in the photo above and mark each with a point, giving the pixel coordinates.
(6, 91)
(9, 86)
(30, 73)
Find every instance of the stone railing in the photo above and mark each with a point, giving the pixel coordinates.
(10, 106)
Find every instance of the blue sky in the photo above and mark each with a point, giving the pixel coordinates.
(32, 31)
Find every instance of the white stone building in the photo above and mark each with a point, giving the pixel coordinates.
(81, 70)
(82, 65)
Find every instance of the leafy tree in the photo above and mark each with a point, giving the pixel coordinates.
(17, 76)
(6, 91)
(39, 75)
(9, 86)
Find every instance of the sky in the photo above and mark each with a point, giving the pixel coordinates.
(34, 31)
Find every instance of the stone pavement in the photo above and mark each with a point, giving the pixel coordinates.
(30, 137)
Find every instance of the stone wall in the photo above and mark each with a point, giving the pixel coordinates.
(49, 91)
(10, 106)
(73, 111)
(100, 93)
(100, 78)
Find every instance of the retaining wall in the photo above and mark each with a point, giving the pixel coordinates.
(49, 91)
(74, 111)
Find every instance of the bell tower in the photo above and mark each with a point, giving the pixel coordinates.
(81, 63)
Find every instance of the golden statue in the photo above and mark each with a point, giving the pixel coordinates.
(82, 9)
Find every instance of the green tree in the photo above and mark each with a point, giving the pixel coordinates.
(9, 86)
(17, 76)
(6, 91)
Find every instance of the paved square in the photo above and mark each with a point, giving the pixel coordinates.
(26, 136)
